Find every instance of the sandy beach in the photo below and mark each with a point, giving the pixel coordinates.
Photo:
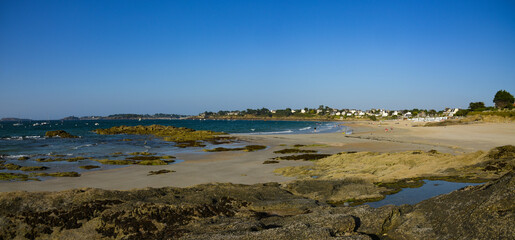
(248, 167)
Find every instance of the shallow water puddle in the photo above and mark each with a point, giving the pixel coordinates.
(415, 195)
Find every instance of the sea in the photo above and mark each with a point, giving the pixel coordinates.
(22, 140)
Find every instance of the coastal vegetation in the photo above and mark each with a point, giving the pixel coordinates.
(503, 99)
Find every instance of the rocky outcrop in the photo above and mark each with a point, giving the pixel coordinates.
(260, 211)
(59, 133)
(481, 212)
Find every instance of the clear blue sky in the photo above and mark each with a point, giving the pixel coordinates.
(61, 58)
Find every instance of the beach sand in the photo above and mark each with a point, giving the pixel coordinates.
(248, 167)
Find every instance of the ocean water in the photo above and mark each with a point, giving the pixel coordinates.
(26, 139)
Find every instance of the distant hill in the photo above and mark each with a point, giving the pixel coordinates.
(14, 119)
(128, 116)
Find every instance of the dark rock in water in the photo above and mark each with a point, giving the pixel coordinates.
(59, 133)
(260, 211)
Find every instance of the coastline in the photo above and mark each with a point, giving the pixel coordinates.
(248, 167)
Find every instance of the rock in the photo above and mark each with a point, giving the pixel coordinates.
(259, 211)
(59, 133)
(481, 212)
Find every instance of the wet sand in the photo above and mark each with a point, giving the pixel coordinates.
(248, 167)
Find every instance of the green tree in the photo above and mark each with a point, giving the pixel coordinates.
(503, 99)
(477, 106)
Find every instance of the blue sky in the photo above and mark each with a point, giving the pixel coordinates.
(61, 58)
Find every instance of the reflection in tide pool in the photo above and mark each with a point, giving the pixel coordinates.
(415, 195)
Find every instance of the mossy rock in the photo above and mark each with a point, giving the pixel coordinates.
(59, 133)
(252, 148)
(151, 162)
(58, 159)
(57, 174)
(295, 150)
(135, 162)
(10, 166)
(143, 158)
(163, 171)
(190, 144)
(270, 162)
(168, 133)
(14, 177)
(115, 162)
(223, 149)
(23, 158)
(305, 157)
(506, 152)
(142, 153)
(249, 148)
(33, 168)
(88, 167)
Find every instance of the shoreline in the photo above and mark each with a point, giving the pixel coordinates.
(248, 167)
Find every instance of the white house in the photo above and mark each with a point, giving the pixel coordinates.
(384, 114)
(303, 111)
